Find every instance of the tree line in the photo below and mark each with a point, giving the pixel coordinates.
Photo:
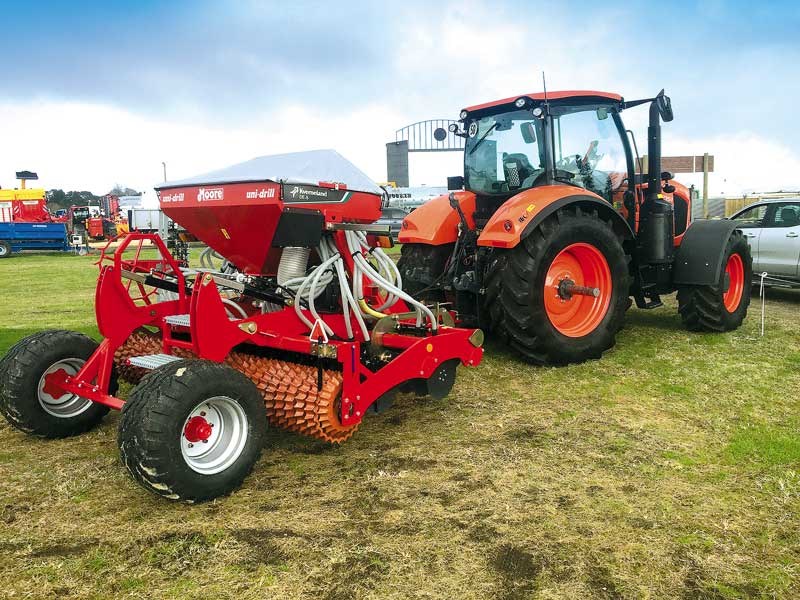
(58, 199)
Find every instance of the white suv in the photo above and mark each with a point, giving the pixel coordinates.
(772, 228)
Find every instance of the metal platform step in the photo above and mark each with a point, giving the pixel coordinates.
(151, 361)
(182, 320)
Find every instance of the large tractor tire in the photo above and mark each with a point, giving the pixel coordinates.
(30, 403)
(723, 306)
(422, 266)
(562, 292)
(192, 430)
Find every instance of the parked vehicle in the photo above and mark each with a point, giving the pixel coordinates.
(393, 217)
(772, 228)
(15, 237)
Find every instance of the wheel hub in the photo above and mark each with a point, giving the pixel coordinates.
(577, 290)
(568, 288)
(52, 398)
(51, 384)
(214, 435)
(198, 430)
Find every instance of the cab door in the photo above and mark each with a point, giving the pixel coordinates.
(751, 221)
(779, 243)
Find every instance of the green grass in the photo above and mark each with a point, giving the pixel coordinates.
(670, 468)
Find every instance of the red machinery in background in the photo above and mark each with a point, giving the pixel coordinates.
(305, 325)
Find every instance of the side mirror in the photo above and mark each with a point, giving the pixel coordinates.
(664, 105)
(528, 131)
(439, 134)
(455, 183)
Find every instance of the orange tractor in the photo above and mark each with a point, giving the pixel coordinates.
(552, 229)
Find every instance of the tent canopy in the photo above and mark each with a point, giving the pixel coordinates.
(304, 168)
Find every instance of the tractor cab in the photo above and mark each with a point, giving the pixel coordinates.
(566, 138)
(532, 142)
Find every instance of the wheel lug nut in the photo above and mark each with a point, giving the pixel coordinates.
(191, 445)
(202, 413)
(205, 441)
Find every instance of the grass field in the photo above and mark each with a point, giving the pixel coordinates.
(670, 468)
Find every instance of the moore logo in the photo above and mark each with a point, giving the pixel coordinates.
(204, 195)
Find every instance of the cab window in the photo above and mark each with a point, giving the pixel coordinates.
(587, 144)
(752, 217)
(785, 215)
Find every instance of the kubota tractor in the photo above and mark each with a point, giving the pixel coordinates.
(304, 325)
(552, 229)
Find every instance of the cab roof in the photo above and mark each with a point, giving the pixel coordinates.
(562, 95)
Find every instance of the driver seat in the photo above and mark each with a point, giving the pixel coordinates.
(789, 217)
(518, 168)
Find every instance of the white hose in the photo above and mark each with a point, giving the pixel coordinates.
(234, 306)
(362, 267)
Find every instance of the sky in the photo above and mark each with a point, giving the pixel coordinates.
(94, 94)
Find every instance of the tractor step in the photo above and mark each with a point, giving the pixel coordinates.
(152, 361)
(181, 320)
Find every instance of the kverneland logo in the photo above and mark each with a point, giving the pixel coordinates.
(204, 195)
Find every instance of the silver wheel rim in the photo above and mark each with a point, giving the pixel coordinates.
(68, 405)
(3, 250)
(225, 441)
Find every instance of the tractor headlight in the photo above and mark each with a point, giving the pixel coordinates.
(463, 114)
(537, 112)
(520, 102)
(453, 127)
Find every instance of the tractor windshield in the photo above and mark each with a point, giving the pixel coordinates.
(503, 153)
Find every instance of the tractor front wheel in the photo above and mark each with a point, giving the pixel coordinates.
(720, 307)
(30, 400)
(422, 267)
(192, 430)
(563, 290)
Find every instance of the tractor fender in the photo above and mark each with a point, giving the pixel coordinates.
(521, 214)
(698, 260)
(435, 222)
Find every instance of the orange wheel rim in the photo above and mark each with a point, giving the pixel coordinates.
(578, 315)
(734, 274)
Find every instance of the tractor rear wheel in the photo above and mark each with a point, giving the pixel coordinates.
(720, 307)
(421, 266)
(562, 291)
(192, 430)
(30, 402)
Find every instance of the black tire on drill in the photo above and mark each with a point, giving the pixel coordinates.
(515, 287)
(421, 266)
(702, 307)
(5, 249)
(151, 429)
(21, 372)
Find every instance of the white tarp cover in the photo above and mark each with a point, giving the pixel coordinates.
(305, 168)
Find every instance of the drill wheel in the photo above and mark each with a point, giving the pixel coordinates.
(289, 389)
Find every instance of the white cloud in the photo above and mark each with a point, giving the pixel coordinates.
(744, 163)
(89, 146)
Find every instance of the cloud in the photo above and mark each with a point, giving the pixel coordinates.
(90, 146)
(109, 91)
(744, 163)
